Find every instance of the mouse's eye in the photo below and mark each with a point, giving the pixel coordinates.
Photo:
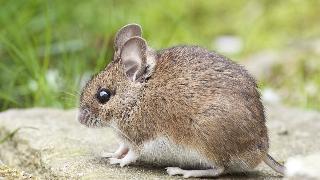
(103, 95)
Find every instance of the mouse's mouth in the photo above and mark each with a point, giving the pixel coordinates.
(85, 117)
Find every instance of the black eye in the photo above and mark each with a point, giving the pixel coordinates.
(103, 95)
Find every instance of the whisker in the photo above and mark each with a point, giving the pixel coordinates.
(123, 134)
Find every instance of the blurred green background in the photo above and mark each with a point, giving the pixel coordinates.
(48, 49)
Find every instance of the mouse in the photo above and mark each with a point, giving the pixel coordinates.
(191, 110)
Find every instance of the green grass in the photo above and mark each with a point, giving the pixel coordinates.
(298, 82)
(48, 48)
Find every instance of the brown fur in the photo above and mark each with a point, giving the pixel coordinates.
(197, 98)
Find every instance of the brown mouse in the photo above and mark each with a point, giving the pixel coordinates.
(183, 107)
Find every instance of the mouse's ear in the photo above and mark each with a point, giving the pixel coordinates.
(134, 59)
(125, 33)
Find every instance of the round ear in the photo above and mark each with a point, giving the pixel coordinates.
(125, 33)
(133, 57)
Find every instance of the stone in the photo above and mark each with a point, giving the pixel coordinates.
(10, 173)
(50, 143)
(304, 167)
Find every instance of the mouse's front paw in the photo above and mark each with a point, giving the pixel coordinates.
(120, 152)
(121, 162)
(124, 163)
(129, 158)
(110, 155)
(114, 161)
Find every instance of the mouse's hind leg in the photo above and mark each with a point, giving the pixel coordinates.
(214, 172)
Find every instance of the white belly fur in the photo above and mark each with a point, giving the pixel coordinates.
(163, 152)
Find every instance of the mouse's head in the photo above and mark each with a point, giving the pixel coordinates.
(112, 94)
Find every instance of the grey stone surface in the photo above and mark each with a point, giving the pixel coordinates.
(301, 166)
(51, 144)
